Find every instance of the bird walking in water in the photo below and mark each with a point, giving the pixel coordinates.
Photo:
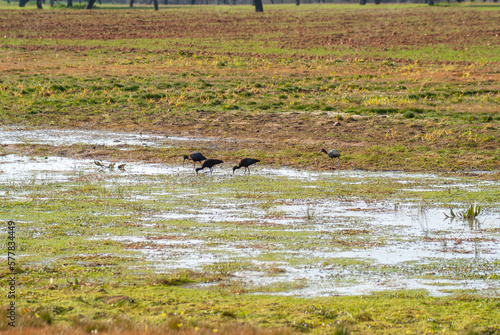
(195, 157)
(332, 154)
(209, 163)
(245, 162)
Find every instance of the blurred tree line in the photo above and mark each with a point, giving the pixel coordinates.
(258, 4)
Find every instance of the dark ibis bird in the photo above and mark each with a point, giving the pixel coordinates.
(195, 157)
(245, 162)
(209, 163)
(332, 154)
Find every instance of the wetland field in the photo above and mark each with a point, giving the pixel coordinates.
(114, 234)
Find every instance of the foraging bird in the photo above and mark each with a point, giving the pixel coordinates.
(246, 162)
(195, 157)
(209, 163)
(100, 164)
(332, 154)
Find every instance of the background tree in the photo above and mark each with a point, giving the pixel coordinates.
(258, 6)
(70, 3)
(39, 4)
(90, 4)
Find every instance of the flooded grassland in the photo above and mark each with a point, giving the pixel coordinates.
(200, 245)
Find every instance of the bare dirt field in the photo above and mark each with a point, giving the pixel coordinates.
(313, 27)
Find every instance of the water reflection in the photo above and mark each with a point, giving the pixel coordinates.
(374, 235)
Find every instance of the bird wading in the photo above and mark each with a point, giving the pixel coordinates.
(245, 162)
(332, 154)
(209, 163)
(195, 157)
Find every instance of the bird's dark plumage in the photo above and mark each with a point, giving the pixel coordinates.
(332, 154)
(209, 163)
(195, 157)
(245, 162)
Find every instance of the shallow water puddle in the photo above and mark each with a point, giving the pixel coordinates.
(321, 243)
(20, 169)
(60, 137)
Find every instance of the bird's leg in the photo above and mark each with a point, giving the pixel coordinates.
(194, 165)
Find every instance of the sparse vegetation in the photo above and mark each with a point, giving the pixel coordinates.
(468, 214)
